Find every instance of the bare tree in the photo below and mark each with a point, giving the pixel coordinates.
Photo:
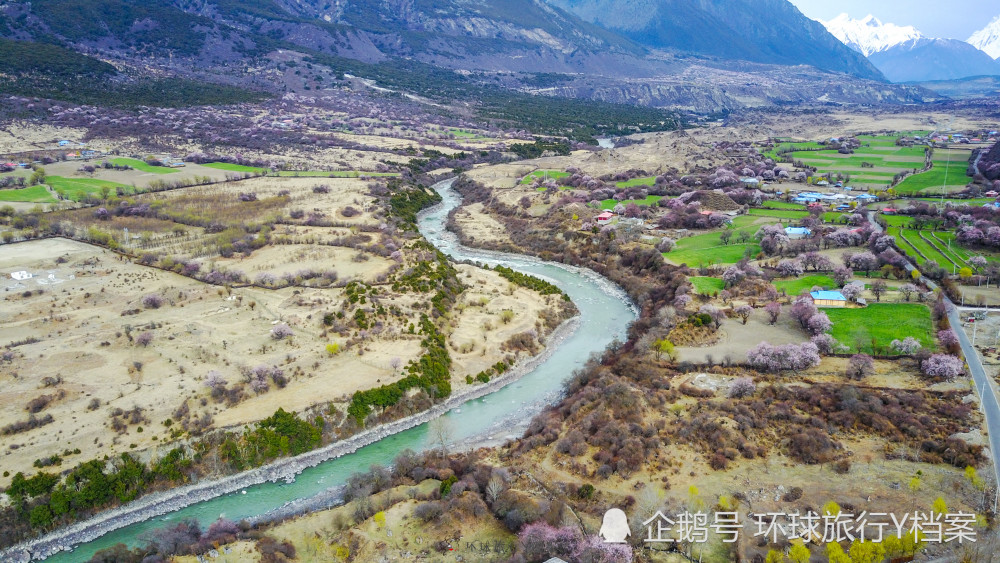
(441, 432)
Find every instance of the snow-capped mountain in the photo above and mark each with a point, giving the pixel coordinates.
(869, 35)
(903, 54)
(988, 39)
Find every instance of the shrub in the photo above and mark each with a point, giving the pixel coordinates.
(742, 387)
(281, 331)
(152, 301)
(144, 339)
(428, 511)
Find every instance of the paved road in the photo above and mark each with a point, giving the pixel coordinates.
(985, 386)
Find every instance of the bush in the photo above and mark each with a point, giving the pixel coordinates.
(281, 331)
(742, 387)
(152, 301)
(428, 511)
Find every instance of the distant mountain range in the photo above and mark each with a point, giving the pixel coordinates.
(765, 31)
(741, 52)
(903, 54)
(988, 39)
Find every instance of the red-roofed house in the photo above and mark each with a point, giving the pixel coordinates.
(605, 217)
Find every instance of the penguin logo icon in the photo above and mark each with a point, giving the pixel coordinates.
(615, 528)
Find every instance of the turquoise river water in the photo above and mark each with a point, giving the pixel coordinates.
(604, 314)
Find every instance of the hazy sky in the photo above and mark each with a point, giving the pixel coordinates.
(955, 19)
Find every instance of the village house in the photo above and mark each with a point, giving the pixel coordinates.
(605, 218)
(795, 233)
(828, 299)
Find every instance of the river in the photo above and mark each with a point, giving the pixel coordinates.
(605, 313)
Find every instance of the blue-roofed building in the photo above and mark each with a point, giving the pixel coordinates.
(828, 299)
(797, 232)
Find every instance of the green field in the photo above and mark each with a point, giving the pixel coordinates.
(609, 204)
(705, 284)
(958, 250)
(75, 188)
(34, 194)
(647, 181)
(880, 152)
(835, 216)
(903, 242)
(796, 286)
(142, 166)
(976, 201)
(234, 167)
(772, 204)
(779, 213)
(707, 249)
(949, 173)
(883, 322)
(465, 134)
(544, 174)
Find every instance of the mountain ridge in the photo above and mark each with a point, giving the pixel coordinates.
(526, 46)
(904, 54)
(987, 39)
(766, 31)
(869, 35)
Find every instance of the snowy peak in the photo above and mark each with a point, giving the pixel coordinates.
(869, 35)
(988, 39)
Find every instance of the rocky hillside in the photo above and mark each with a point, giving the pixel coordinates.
(766, 31)
(454, 49)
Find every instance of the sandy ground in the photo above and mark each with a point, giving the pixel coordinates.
(478, 225)
(734, 339)
(479, 329)
(75, 309)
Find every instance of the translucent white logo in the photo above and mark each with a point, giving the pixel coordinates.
(615, 529)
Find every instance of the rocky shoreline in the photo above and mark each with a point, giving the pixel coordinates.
(163, 502)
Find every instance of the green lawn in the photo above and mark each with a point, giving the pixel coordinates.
(142, 166)
(76, 188)
(835, 216)
(647, 181)
(796, 286)
(609, 204)
(779, 213)
(705, 284)
(34, 194)
(234, 167)
(707, 249)
(883, 322)
(550, 174)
